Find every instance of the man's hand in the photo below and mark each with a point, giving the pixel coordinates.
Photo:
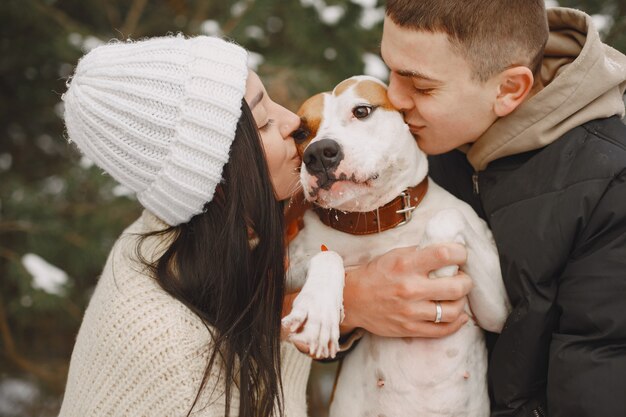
(393, 296)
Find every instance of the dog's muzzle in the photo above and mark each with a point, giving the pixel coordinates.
(322, 157)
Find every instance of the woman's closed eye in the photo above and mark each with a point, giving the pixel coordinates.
(267, 124)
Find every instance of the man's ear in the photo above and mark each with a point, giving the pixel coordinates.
(514, 85)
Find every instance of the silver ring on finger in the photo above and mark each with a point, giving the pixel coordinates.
(438, 313)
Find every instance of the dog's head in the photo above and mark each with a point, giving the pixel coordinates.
(357, 152)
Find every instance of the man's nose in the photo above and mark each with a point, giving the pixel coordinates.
(398, 96)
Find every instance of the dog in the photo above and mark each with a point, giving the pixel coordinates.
(367, 180)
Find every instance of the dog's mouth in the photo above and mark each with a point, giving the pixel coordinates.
(327, 181)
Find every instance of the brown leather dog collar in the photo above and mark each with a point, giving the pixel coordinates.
(395, 213)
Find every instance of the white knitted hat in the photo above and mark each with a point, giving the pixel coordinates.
(159, 116)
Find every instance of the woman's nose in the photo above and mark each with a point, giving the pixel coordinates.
(289, 122)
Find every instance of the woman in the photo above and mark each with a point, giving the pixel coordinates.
(186, 314)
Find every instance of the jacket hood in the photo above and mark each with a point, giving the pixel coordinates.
(583, 80)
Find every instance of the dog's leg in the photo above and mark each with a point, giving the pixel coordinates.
(444, 227)
(488, 299)
(318, 310)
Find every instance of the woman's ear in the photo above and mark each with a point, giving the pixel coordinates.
(515, 84)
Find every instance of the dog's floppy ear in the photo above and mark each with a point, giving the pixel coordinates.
(302, 136)
(310, 113)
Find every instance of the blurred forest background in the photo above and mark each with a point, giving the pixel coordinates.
(59, 215)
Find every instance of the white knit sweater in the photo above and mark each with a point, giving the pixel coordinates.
(139, 352)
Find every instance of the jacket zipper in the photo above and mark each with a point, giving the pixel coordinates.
(606, 137)
(538, 412)
(475, 182)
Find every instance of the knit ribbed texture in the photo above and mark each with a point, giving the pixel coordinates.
(159, 116)
(140, 352)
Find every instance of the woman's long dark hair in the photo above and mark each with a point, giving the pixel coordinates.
(235, 288)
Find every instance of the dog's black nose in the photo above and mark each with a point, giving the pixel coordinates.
(322, 156)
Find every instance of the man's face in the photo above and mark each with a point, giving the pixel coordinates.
(432, 85)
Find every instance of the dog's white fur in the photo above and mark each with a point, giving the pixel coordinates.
(391, 376)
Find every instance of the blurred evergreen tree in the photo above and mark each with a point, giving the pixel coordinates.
(54, 205)
(611, 15)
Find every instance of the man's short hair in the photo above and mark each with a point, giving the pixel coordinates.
(491, 35)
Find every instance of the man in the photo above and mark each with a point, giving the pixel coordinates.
(521, 115)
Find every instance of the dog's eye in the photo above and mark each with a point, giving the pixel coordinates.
(361, 112)
(300, 135)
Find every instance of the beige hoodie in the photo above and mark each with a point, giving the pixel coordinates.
(583, 80)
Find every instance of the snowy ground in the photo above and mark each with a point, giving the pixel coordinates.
(18, 396)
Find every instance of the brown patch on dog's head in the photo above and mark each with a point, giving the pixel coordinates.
(311, 110)
(310, 118)
(343, 86)
(374, 93)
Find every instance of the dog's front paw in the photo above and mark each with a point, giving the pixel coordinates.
(313, 324)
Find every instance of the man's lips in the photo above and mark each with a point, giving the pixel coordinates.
(415, 129)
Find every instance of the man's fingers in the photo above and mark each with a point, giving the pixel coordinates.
(448, 288)
(430, 329)
(437, 256)
(300, 345)
(424, 312)
(414, 259)
(440, 289)
(451, 311)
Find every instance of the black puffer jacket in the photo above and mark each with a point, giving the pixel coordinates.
(558, 215)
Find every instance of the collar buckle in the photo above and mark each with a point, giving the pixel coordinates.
(407, 208)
